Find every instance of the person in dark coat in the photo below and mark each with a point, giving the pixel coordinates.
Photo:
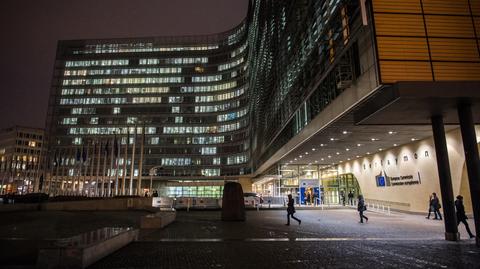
(361, 207)
(291, 210)
(350, 198)
(436, 206)
(461, 216)
(430, 207)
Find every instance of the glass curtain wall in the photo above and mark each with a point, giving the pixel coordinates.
(310, 185)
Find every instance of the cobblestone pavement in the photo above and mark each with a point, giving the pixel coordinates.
(325, 239)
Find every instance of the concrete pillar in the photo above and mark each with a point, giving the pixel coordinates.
(445, 178)
(469, 138)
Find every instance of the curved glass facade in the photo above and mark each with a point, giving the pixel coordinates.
(180, 103)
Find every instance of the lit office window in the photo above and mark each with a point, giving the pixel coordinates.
(207, 78)
(175, 99)
(202, 140)
(175, 109)
(216, 161)
(94, 120)
(69, 121)
(176, 161)
(209, 88)
(211, 172)
(116, 110)
(178, 119)
(146, 100)
(150, 130)
(230, 64)
(86, 110)
(77, 141)
(238, 159)
(154, 140)
(131, 120)
(209, 150)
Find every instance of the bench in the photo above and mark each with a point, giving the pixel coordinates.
(85, 249)
(157, 220)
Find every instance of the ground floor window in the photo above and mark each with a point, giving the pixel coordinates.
(195, 191)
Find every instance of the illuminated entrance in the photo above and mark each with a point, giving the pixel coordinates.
(309, 184)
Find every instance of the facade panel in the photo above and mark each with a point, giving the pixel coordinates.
(446, 27)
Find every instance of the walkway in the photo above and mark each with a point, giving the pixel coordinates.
(325, 239)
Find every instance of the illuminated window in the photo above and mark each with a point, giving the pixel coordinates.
(154, 140)
(176, 161)
(69, 121)
(175, 99)
(116, 110)
(175, 109)
(131, 120)
(209, 150)
(151, 130)
(94, 120)
(77, 141)
(211, 172)
(178, 119)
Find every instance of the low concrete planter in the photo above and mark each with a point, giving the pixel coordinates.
(157, 220)
(85, 249)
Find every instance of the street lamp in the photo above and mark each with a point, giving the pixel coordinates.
(153, 172)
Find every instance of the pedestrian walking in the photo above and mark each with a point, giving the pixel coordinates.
(350, 198)
(461, 216)
(436, 206)
(361, 207)
(291, 210)
(430, 206)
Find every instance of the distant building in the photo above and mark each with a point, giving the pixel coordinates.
(21, 151)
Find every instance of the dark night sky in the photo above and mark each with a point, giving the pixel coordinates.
(30, 30)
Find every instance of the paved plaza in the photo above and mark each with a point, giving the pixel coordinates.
(325, 239)
(330, 238)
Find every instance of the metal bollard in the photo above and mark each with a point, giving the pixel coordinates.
(383, 208)
(388, 210)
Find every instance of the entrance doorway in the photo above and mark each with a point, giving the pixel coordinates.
(310, 185)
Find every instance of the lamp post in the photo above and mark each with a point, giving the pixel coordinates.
(153, 172)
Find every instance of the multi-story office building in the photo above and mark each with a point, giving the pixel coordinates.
(344, 93)
(174, 108)
(20, 159)
(323, 97)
